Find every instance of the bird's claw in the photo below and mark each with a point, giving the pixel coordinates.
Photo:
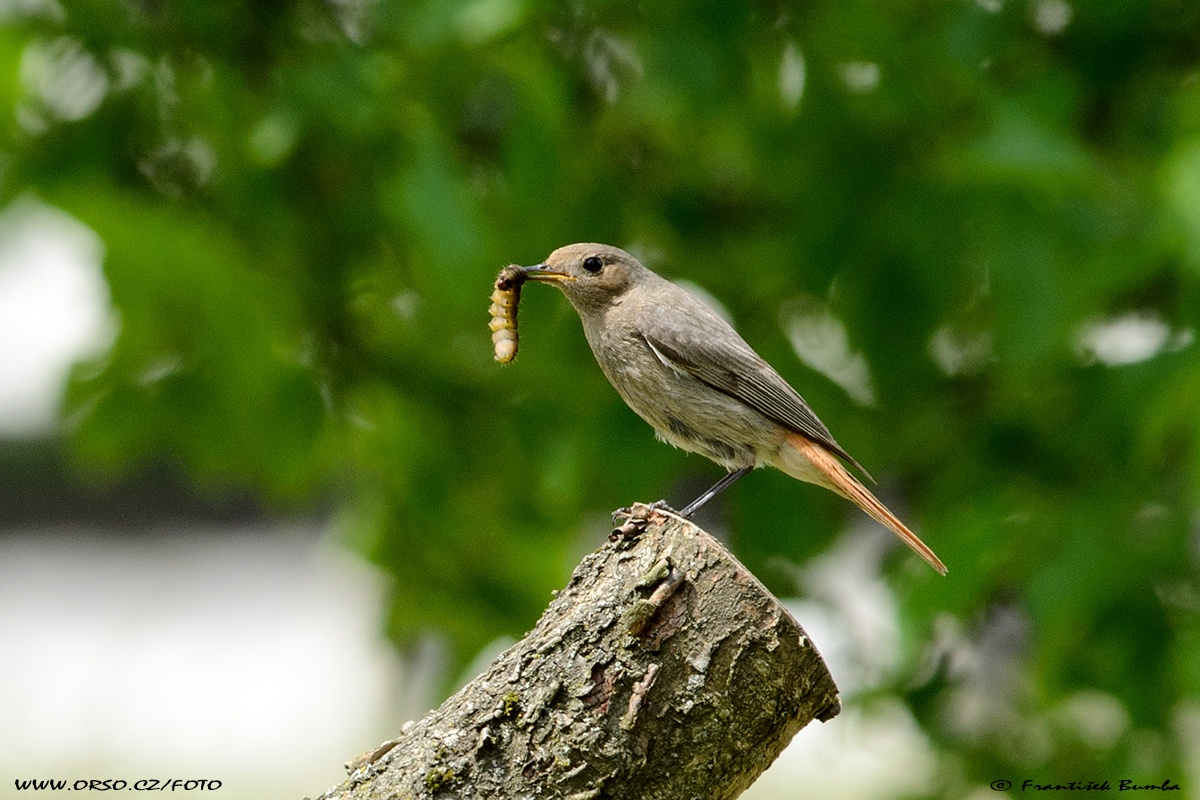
(631, 520)
(630, 529)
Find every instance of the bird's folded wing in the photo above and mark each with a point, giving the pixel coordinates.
(722, 360)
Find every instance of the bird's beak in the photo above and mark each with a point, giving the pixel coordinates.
(546, 274)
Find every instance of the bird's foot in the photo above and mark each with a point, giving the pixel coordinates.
(631, 520)
(626, 512)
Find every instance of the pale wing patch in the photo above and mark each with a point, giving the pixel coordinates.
(666, 362)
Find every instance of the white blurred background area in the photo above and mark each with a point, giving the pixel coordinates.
(54, 310)
(204, 643)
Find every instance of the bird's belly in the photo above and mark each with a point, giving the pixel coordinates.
(695, 417)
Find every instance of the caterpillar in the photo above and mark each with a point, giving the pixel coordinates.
(505, 296)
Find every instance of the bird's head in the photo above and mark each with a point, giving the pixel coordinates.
(592, 276)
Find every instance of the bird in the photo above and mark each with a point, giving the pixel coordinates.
(683, 369)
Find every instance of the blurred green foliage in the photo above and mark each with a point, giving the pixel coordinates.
(304, 204)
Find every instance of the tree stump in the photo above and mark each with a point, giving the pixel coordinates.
(664, 670)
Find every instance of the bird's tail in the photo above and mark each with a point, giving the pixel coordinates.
(821, 467)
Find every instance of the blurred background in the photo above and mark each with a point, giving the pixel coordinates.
(264, 495)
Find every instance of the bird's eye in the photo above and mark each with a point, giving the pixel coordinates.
(593, 264)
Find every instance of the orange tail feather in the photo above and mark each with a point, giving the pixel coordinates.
(842, 482)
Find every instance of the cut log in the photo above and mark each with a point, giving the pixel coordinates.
(663, 671)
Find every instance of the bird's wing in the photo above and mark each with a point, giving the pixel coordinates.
(690, 338)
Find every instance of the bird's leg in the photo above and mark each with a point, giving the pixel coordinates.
(728, 480)
(635, 519)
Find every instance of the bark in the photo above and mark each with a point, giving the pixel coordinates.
(663, 670)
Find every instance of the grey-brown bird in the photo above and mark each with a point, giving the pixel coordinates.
(688, 373)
